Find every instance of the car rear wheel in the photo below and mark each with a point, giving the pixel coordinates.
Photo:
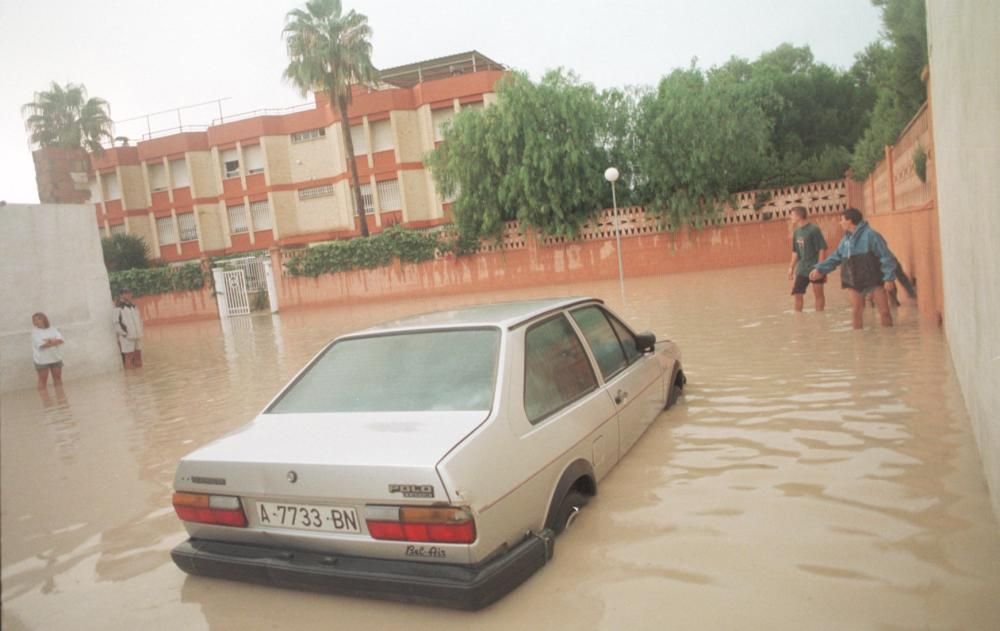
(568, 510)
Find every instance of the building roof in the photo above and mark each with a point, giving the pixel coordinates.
(461, 63)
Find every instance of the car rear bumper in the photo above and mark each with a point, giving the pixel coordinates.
(458, 586)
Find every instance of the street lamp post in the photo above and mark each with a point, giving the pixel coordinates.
(611, 175)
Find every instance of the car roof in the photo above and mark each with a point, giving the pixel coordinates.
(505, 315)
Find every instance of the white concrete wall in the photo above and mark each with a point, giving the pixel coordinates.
(51, 262)
(963, 37)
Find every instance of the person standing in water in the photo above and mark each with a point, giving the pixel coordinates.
(869, 268)
(128, 324)
(808, 248)
(45, 352)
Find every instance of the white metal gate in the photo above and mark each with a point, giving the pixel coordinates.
(234, 299)
(234, 286)
(253, 270)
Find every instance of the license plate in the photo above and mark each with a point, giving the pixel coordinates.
(307, 517)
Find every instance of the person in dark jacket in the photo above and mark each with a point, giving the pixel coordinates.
(869, 268)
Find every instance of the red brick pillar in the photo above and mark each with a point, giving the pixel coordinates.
(56, 170)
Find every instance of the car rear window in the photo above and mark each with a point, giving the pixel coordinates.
(407, 372)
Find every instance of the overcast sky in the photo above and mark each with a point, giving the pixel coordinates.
(145, 56)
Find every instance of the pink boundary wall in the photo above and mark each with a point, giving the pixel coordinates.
(712, 247)
(178, 306)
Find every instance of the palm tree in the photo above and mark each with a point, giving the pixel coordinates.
(329, 50)
(65, 117)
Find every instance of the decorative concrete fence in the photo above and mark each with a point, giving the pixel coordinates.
(753, 233)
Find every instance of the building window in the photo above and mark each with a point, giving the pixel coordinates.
(165, 231)
(382, 139)
(230, 163)
(441, 119)
(186, 227)
(316, 191)
(254, 158)
(388, 195)
(237, 219)
(157, 177)
(261, 213)
(116, 228)
(111, 190)
(359, 140)
(311, 134)
(367, 198)
(179, 171)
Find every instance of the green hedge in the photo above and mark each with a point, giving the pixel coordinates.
(158, 280)
(367, 253)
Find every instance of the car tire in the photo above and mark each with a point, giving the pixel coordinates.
(568, 509)
(676, 389)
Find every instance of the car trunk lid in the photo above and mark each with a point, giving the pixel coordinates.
(385, 456)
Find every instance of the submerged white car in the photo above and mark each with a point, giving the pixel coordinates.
(431, 459)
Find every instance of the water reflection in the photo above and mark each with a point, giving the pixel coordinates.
(812, 477)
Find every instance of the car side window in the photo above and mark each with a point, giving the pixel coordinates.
(602, 340)
(556, 368)
(628, 340)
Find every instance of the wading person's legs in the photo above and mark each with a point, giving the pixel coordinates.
(819, 296)
(57, 375)
(799, 291)
(43, 378)
(881, 299)
(857, 307)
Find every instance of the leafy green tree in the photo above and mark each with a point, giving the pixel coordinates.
(536, 155)
(817, 112)
(124, 252)
(66, 117)
(330, 50)
(894, 68)
(620, 139)
(701, 140)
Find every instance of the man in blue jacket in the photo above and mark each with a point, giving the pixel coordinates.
(868, 267)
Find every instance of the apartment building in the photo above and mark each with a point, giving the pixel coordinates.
(268, 180)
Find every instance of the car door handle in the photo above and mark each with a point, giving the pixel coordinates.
(620, 397)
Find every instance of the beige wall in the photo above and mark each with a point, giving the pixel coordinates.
(419, 206)
(211, 227)
(52, 263)
(963, 38)
(284, 206)
(203, 173)
(314, 159)
(276, 158)
(133, 186)
(409, 138)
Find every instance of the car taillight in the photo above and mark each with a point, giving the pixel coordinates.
(222, 510)
(416, 523)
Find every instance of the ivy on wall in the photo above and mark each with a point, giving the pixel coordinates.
(367, 253)
(158, 280)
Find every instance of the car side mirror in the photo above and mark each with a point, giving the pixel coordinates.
(645, 341)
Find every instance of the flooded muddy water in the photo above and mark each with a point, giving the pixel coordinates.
(813, 477)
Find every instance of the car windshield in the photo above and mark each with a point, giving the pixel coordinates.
(408, 372)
